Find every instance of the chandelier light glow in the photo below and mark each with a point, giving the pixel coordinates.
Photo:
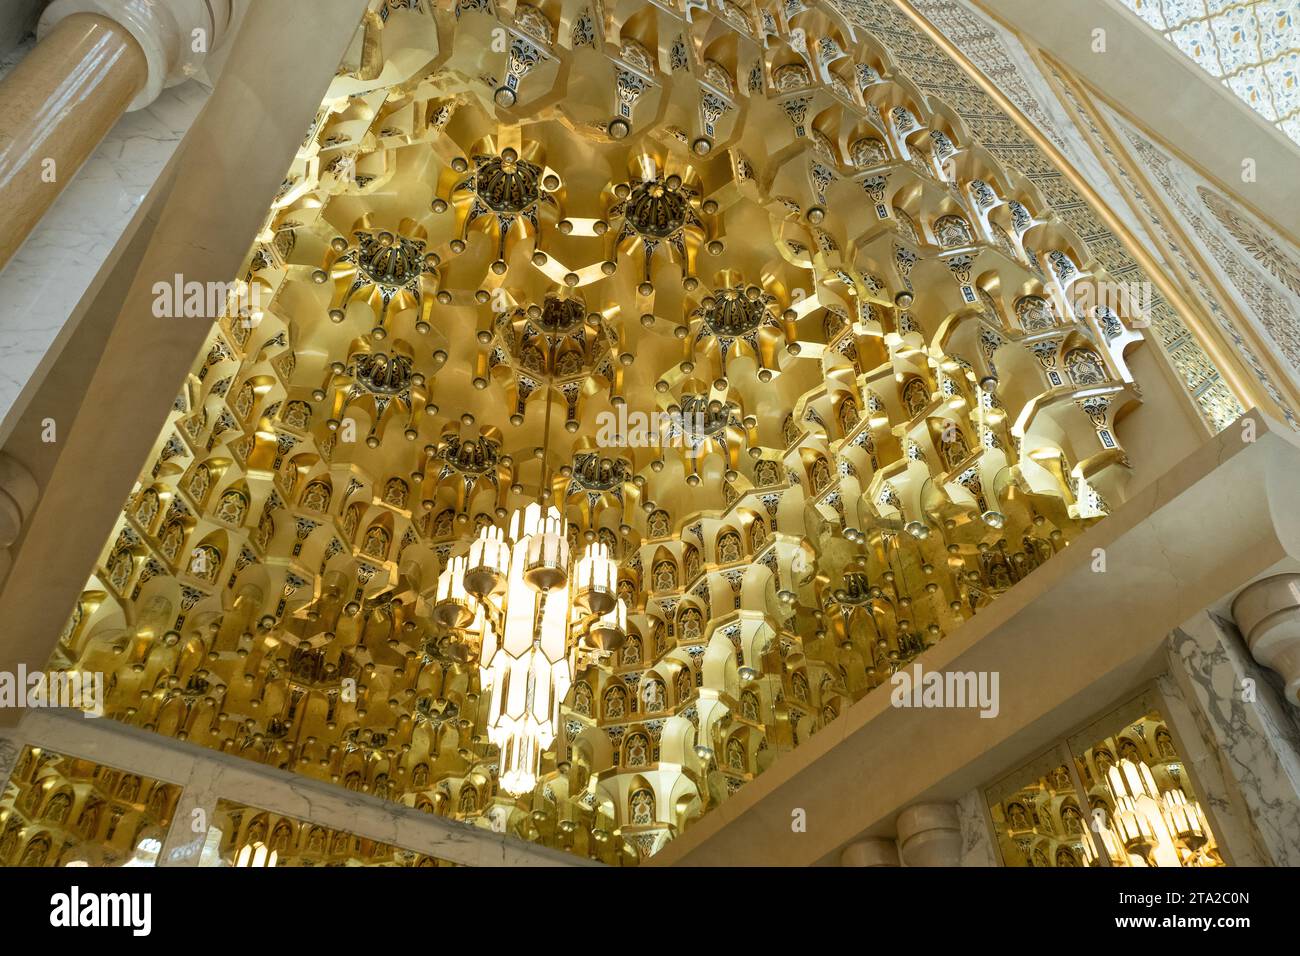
(527, 610)
(256, 855)
(1150, 827)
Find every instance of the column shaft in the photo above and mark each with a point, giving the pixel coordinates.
(189, 829)
(56, 105)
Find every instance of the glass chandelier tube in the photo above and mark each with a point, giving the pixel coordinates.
(1141, 814)
(1184, 818)
(596, 579)
(487, 562)
(453, 605)
(546, 559)
(609, 631)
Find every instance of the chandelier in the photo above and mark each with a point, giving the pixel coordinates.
(526, 607)
(256, 854)
(1151, 827)
(519, 597)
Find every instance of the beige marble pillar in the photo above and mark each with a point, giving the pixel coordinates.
(929, 834)
(94, 60)
(870, 852)
(1268, 615)
(55, 107)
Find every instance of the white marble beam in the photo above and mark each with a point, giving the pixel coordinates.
(208, 775)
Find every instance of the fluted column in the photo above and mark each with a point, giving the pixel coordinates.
(1268, 615)
(929, 834)
(95, 60)
(870, 852)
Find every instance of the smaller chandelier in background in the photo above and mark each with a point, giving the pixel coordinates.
(1150, 827)
(256, 854)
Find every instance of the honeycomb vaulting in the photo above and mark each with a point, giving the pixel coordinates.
(888, 398)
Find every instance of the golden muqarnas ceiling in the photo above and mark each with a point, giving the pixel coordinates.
(883, 407)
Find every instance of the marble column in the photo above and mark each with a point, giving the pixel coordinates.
(929, 834)
(55, 107)
(870, 852)
(1268, 615)
(95, 60)
(11, 745)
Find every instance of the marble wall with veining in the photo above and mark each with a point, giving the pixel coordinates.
(44, 281)
(1252, 732)
(976, 835)
(10, 747)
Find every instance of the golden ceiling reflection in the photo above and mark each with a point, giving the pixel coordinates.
(66, 811)
(1128, 802)
(719, 285)
(246, 837)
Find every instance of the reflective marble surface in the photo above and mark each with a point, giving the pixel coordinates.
(1255, 733)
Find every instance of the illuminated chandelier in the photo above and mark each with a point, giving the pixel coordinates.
(527, 607)
(1153, 828)
(256, 854)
